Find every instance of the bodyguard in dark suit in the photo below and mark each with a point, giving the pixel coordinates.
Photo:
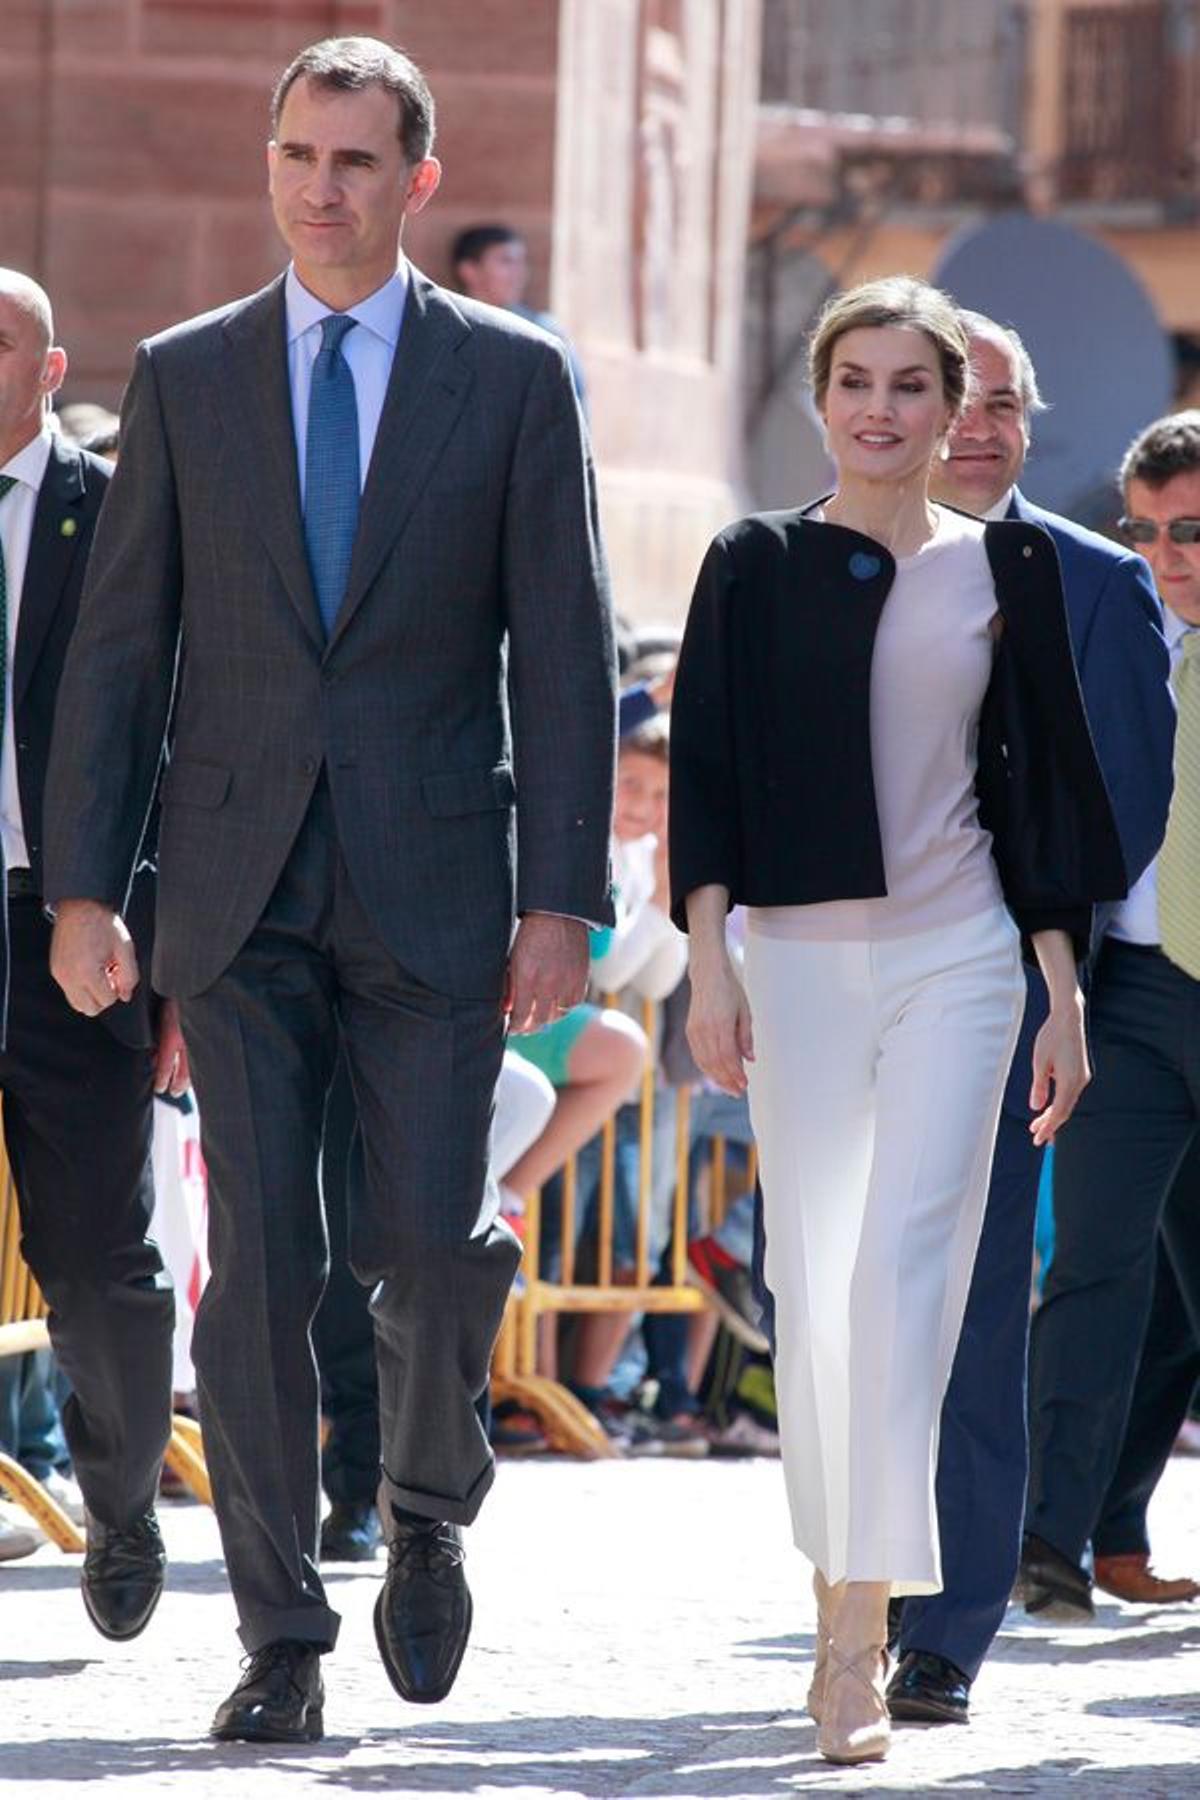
(362, 515)
(1115, 625)
(78, 1092)
(1114, 1173)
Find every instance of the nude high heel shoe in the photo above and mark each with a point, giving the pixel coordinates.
(854, 1725)
(827, 1599)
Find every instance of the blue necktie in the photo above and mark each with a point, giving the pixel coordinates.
(331, 484)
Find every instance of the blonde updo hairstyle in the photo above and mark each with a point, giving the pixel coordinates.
(894, 300)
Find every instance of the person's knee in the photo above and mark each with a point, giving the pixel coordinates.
(620, 1046)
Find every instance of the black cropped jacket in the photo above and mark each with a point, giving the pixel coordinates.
(772, 791)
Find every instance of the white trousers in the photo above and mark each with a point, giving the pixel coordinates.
(874, 1098)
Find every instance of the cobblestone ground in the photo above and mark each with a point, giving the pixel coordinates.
(641, 1629)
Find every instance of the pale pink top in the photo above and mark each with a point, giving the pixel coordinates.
(929, 674)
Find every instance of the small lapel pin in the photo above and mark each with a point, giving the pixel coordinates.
(863, 567)
(68, 528)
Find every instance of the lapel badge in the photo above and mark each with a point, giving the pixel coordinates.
(863, 567)
(68, 528)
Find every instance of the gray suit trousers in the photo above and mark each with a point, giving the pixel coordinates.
(425, 1233)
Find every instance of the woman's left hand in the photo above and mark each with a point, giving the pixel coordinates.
(1060, 1064)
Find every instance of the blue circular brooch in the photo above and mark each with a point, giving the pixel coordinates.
(863, 567)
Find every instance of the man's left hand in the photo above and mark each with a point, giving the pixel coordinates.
(547, 970)
(171, 1073)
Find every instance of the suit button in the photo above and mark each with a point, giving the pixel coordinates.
(309, 766)
(1028, 550)
(23, 745)
(328, 677)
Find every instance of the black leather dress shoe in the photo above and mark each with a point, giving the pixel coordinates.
(351, 1533)
(279, 1700)
(423, 1614)
(123, 1573)
(1052, 1587)
(928, 1690)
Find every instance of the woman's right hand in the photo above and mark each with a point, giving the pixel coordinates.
(720, 1032)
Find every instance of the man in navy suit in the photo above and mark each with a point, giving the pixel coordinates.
(78, 1092)
(1116, 630)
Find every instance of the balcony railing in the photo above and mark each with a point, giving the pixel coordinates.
(926, 62)
(1131, 102)
(1124, 87)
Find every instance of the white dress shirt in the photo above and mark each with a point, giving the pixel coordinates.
(1136, 919)
(368, 350)
(16, 529)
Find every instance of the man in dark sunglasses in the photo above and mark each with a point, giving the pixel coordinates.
(1143, 532)
(1116, 1344)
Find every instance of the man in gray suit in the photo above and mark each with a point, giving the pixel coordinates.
(351, 548)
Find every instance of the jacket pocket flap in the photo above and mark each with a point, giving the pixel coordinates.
(195, 783)
(468, 791)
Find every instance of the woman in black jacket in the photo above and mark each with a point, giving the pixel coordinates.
(878, 747)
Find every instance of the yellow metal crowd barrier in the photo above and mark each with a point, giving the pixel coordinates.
(569, 1425)
(23, 1327)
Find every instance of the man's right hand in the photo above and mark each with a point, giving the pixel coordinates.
(92, 957)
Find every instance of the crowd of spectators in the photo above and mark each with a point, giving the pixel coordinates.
(670, 1382)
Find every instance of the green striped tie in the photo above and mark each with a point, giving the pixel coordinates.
(1179, 858)
(6, 482)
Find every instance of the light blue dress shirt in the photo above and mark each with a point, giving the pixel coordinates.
(368, 350)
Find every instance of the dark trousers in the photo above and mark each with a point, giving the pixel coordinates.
(982, 1457)
(30, 1423)
(77, 1126)
(1168, 1372)
(343, 1332)
(983, 1454)
(427, 1237)
(1114, 1167)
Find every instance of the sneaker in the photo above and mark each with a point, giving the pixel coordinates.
(64, 1489)
(682, 1439)
(17, 1539)
(743, 1436)
(727, 1285)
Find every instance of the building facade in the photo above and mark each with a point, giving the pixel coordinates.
(618, 135)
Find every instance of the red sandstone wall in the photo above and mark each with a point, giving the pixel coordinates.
(133, 176)
(615, 133)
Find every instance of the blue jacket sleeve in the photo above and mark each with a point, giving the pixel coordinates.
(1124, 674)
(635, 708)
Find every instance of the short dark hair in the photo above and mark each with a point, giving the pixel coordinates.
(652, 739)
(475, 242)
(1169, 447)
(350, 64)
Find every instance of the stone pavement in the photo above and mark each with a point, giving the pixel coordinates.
(641, 1629)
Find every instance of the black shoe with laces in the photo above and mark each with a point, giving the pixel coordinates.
(279, 1700)
(423, 1614)
(351, 1533)
(123, 1573)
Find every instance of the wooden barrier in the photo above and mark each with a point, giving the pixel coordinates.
(568, 1424)
(23, 1313)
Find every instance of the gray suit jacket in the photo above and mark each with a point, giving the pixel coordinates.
(463, 706)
